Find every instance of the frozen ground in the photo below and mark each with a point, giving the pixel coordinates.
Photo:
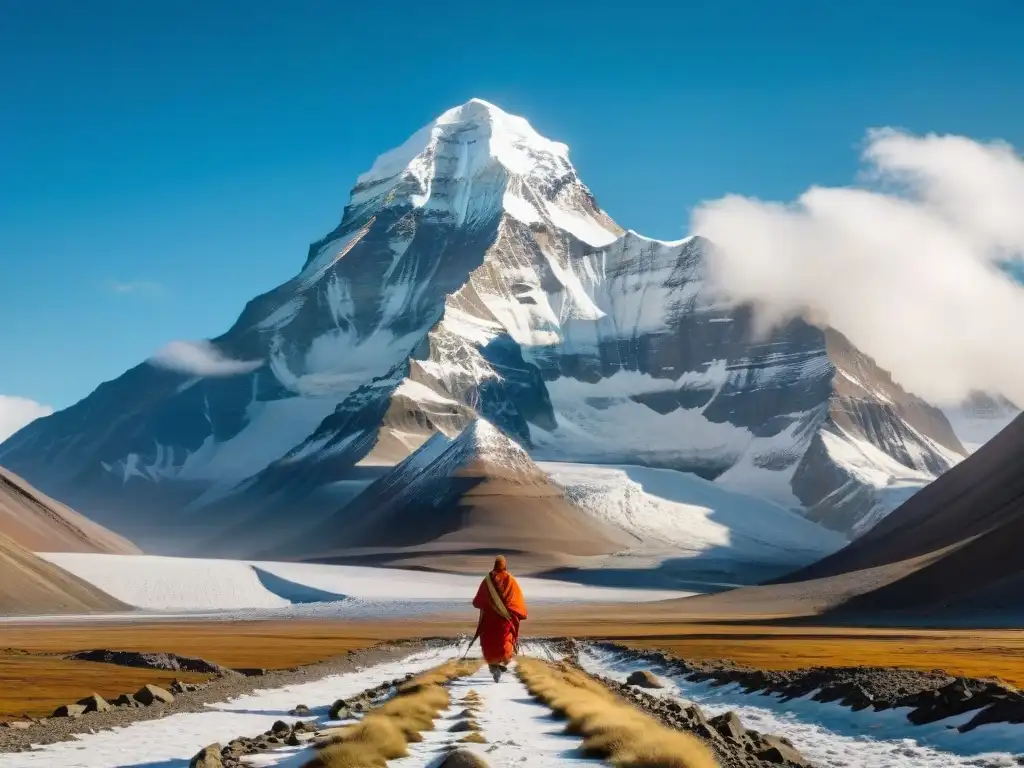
(158, 584)
(832, 736)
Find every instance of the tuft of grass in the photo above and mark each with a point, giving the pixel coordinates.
(612, 729)
(385, 733)
(473, 738)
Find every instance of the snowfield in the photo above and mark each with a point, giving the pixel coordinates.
(693, 515)
(177, 584)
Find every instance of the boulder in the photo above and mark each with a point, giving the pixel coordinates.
(300, 710)
(250, 671)
(94, 703)
(126, 700)
(280, 728)
(152, 694)
(462, 758)
(780, 752)
(69, 710)
(644, 679)
(207, 757)
(17, 725)
(339, 710)
(728, 725)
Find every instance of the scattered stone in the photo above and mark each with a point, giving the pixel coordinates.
(462, 758)
(728, 725)
(300, 711)
(126, 700)
(780, 752)
(250, 671)
(644, 679)
(69, 710)
(207, 757)
(280, 728)
(94, 703)
(153, 694)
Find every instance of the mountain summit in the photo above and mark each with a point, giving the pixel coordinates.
(474, 275)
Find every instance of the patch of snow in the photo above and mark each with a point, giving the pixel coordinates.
(975, 428)
(174, 584)
(833, 736)
(519, 731)
(274, 428)
(694, 515)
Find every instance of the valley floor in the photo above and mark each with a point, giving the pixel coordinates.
(517, 729)
(32, 647)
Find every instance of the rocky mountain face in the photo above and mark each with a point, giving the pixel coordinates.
(474, 274)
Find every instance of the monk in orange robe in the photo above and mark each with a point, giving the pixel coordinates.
(502, 607)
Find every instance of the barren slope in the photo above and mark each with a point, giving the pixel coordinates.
(31, 586)
(41, 524)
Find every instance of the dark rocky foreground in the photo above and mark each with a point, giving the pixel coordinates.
(85, 718)
(929, 696)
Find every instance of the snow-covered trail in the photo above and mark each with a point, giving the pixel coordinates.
(830, 735)
(170, 742)
(519, 731)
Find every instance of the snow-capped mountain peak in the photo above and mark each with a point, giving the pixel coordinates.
(476, 161)
(493, 133)
(473, 276)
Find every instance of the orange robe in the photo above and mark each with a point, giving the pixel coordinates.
(499, 618)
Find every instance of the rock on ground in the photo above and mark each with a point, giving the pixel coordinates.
(644, 679)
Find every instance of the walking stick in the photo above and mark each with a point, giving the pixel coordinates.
(478, 622)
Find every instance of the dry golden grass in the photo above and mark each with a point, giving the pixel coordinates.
(473, 738)
(267, 644)
(971, 656)
(612, 729)
(385, 733)
(36, 685)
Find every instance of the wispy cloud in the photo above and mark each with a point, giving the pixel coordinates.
(200, 358)
(911, 264)
(16, 412)
(142, 287)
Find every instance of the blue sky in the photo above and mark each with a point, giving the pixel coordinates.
(163, 162)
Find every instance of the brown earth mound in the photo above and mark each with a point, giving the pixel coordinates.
(41, 524)
(480, 493)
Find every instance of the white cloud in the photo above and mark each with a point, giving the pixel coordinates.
(16, 412)
(200, 358)
(908, 265)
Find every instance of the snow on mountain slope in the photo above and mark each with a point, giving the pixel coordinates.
(479, 492)
(692, 515)
(473, 274)
(980, 418)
